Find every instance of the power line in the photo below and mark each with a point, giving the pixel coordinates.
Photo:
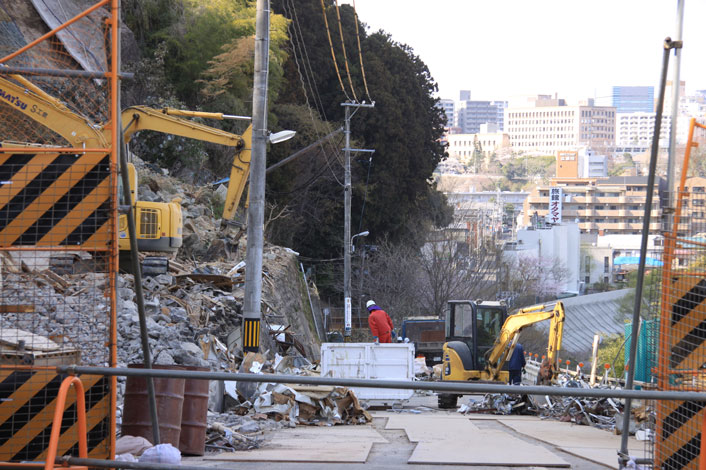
(309, 73)
(333, 54)
(360, 53)
(345, 56)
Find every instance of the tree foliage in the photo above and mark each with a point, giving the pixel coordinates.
(393, 195)
(198, 54)
(421, 282)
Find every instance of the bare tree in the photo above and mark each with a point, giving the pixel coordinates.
(391, 277)
(451, 271)
(531, 277)
(407, 282)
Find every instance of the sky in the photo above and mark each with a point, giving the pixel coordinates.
(578, 49)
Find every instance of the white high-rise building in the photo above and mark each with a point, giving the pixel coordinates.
(449, 107)
(550, 125)
(636, 130)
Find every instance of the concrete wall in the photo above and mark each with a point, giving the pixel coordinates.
(558, 241)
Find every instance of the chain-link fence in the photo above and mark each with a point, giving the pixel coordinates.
(58, 250)
(682, 348)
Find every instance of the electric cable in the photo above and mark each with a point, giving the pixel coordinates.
(309, 73)
(360, 53)
(333, 54)
(345, 56)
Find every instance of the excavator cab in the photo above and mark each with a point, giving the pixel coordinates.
(471, 330)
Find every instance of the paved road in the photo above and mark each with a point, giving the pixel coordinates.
(395, 453)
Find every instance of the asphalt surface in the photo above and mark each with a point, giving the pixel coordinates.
(395, 453)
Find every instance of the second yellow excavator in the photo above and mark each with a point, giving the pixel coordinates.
(477, 347)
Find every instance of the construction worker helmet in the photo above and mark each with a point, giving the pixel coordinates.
(370, 303)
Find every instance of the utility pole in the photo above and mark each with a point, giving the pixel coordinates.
(671, 159)
(347, 216)
(256, 209)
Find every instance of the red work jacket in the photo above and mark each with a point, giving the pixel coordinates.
(380, 325)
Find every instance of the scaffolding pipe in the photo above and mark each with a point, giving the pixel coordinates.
(668, 46)
(468, 388)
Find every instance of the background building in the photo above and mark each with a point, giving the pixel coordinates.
(559, 242)
(449, 107)
(636, 129)
(462, 146)
(599, 255)
(471, 114)
(550, 125)
(633, 99)
(612, 205)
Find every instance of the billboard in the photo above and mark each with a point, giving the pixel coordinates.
(555, 200)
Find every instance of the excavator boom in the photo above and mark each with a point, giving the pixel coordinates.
(51, 113)
(505, 343)
(139, 118)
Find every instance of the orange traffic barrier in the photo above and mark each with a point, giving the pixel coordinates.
(58, 416)
(56, 429)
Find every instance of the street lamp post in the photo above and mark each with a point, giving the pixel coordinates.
(347, 284)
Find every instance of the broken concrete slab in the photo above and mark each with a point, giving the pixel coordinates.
(350, 444)
(450, 440)
(583, 441)
(485, 448)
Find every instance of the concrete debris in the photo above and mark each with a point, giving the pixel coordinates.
(497, 403)
(602, 413)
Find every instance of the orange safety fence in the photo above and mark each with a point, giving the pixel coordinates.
(58, 234)
(682, 338)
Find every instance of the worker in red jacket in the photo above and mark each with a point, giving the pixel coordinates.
(380, 323)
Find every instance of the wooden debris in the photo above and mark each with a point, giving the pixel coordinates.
(217, 280)
(16, 308)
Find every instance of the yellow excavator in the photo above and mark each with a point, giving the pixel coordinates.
(158, 225)
(481, 338)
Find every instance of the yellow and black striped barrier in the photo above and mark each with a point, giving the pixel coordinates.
(27, 403)
(678, 439)
(53, 199)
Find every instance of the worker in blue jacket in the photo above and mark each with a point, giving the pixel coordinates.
(516, 365)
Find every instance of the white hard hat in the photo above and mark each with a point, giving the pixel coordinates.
(370, 303)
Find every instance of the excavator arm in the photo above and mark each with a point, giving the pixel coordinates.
(27, 98)
(139, 118)
(505, 342)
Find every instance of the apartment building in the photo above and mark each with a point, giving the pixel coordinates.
(547, 125)
(636, 130)
(489, 140)
(472, 114)
(612, 205)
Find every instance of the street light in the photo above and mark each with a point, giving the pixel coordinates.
(361, 234)
(280, 136)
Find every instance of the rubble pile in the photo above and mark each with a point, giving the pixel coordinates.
(70, 311)
(185, 320)
(498, 403)
(602, 413)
